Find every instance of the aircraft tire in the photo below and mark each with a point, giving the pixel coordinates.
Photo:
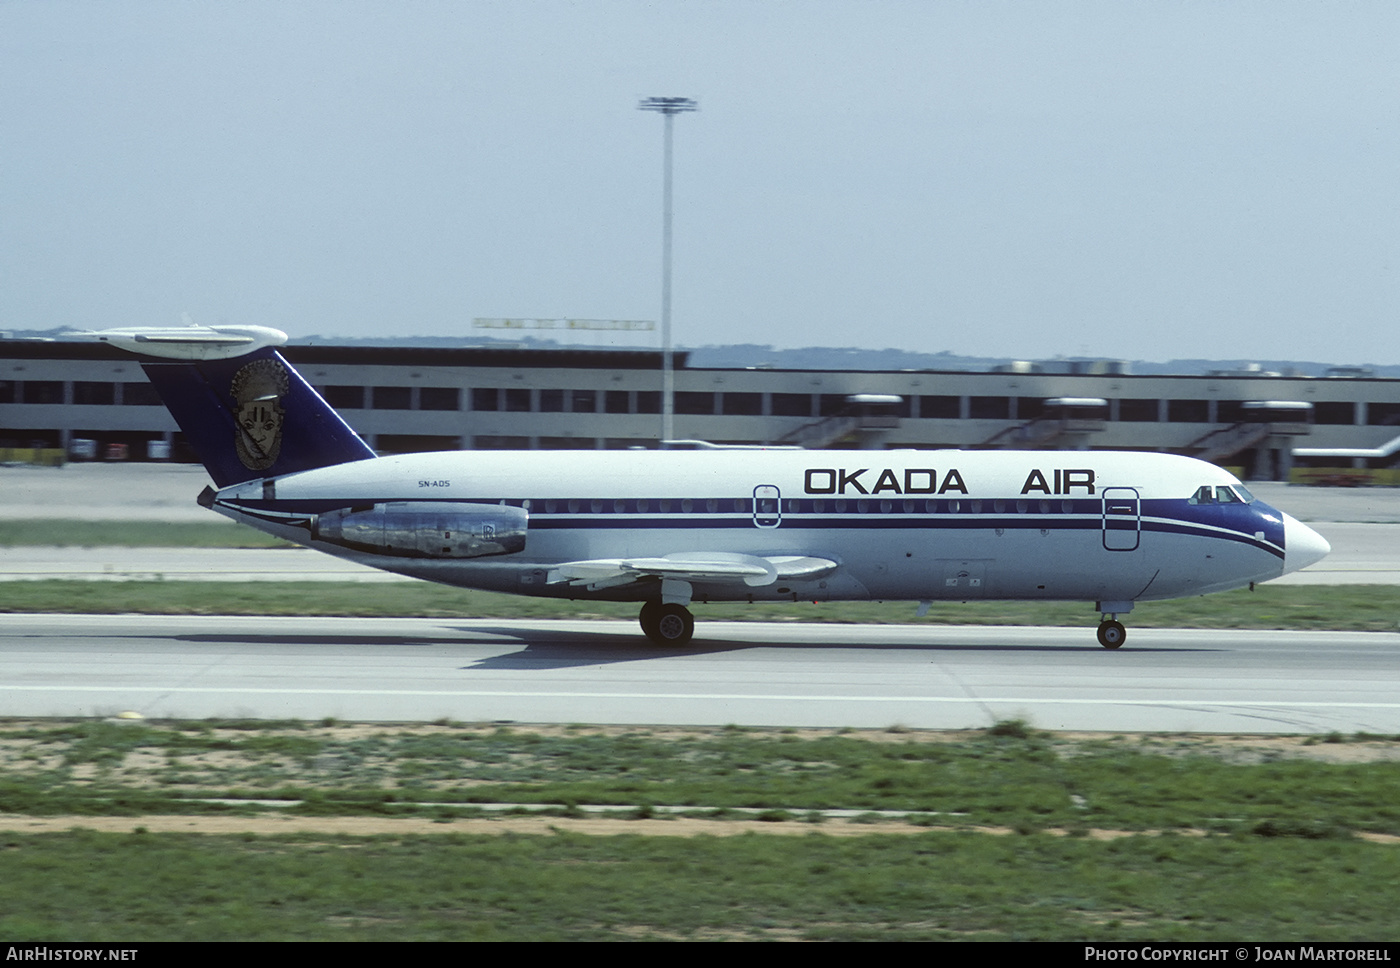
(649, 619)
(1112, 634)
(669, 625)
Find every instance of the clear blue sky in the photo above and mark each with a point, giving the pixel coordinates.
(1141, 180)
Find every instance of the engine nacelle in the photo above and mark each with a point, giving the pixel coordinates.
(426, 529)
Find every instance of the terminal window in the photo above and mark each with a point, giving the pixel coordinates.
(1137, 410)
(695, 402)
(341, 398)
(792, 404)
(1229, 411)
(940, 407)
(1334, 412)
(140, 395)
(42, 391)
(1188, 411)
(391, 398)
(1028, 408)
(85, 392)
(438, 398)
(1377, 414)
(742, 404)
(989, 408)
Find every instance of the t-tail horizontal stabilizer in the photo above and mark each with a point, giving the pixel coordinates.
(248, 415)
(188, 342)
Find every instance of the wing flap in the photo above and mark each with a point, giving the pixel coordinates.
(700, 566)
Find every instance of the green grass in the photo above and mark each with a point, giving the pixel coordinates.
(1218, 839)
(61, 533)
(1341, 607)
(120, 888)
(1004, 776)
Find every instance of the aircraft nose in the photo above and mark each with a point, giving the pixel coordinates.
(1302, 546)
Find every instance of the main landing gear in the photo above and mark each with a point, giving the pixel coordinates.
(667, 624)
(1112, 635)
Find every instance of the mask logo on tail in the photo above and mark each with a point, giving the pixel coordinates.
(257, 390)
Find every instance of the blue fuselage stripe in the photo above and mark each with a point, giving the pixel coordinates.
(1223, 522)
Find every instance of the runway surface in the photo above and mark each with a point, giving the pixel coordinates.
(407, 670)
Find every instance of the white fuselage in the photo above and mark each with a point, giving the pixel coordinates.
(917, 525)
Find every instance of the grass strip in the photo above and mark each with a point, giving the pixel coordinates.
(62, 533)
(1256, 835)
(1337, 607)
(1007, 776)
(135, 887)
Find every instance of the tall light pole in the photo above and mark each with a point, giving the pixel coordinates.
(669, 107)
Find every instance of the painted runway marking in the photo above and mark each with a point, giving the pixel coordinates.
(709, 696)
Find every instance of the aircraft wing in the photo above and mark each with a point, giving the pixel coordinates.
(700, 566)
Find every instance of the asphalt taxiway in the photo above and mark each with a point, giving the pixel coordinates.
(423, 670)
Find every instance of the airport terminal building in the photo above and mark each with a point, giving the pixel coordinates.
(88, 400)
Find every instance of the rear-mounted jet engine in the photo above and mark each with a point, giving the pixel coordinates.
(426, 529)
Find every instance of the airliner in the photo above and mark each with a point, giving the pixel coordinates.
(669, 528)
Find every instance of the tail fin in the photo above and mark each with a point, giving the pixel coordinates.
(254, 416)
(245, 411)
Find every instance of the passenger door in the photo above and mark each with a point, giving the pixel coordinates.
(1122, 519)
(767, 506)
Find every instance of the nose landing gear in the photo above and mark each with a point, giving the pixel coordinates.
(1112, 634)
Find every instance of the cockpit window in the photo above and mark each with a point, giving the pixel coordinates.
(1205, 494)
(1223, 495)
